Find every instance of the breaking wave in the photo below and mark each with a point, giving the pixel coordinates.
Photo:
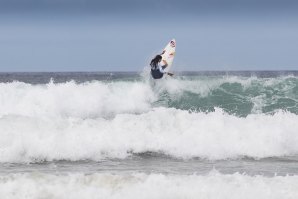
(195, 117)
(177, 133)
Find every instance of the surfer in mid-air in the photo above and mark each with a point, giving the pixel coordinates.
(157, 67)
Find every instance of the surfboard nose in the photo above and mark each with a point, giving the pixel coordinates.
(173, 43)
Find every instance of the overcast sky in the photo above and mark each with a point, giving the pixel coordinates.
(123, 35)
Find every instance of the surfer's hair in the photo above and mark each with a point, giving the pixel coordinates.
(155, 61)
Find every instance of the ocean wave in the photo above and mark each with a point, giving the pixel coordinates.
(235, 95)
(140, 185)
(173, 132)
(239, 96)
(87, 100)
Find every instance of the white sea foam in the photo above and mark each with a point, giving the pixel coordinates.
(170, 131)
(143, 186)
(92, 99)
(96, 120)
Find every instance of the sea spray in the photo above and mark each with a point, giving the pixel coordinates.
(145, 186)
(170, 131)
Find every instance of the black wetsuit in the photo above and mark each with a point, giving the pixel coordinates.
(155, 72)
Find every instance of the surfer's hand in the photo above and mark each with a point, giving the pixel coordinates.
(171, 74)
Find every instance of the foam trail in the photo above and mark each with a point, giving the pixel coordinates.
(174, 132)
(147, 186)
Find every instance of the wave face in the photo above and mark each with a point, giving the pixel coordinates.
(213, 186)
(235, 95)
(210, 117)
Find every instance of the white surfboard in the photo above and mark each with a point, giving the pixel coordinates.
(168, 54)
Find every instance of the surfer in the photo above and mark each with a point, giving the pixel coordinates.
(157, 67)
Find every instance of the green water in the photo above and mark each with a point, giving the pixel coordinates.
(240, 96)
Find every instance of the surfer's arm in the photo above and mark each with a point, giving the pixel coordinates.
(162, 65)
(161, 68)
(165, 63)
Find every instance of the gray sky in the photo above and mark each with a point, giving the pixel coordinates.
(123, 35)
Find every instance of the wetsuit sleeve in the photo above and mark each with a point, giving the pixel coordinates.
(161, 67)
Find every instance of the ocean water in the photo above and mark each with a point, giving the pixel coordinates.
(122, 135)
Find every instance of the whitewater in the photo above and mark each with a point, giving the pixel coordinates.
(115, 135)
